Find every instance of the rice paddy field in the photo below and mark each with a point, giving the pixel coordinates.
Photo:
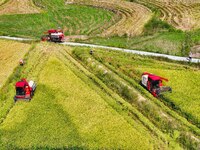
(85, 101)
(18, 7)
(60, 116)
(182, 14)
(130, 14)
(110, 112)
(184, 79)
(121, 71)
(10, 54)
(155, 26)
(75, 20)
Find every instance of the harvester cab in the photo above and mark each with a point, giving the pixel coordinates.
(24, 90)
(53, 36)
(154, 84)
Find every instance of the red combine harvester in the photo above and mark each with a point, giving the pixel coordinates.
(153, 83)
(24, 90)
(53, 36)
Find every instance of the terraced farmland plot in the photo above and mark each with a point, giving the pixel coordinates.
(18, 7)
(65, 111)
(10, 54)
(75, 20)
(133, 16)
(83, 20)
(183, 14)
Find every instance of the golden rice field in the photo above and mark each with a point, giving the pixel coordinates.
(10, 54)
(66, 110)
(121, 69)
(73, 109)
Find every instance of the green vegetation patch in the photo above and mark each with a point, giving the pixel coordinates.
(75, 20)
(165, 42)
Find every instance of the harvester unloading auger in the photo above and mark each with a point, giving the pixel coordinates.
(54, 35)
(153, 84)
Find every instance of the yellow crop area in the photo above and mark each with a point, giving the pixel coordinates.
(185, 84)
(18, 7)
(10, 54)
(2, 1)
(66, 111)
(133, 16)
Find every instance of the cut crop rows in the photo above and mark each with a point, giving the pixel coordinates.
(133, 16)
(184, 15)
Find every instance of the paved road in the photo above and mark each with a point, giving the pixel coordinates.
(15, 38)
(113, 48)
(132, 51)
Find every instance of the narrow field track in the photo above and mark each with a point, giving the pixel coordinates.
(133, 16)
(183, 14)
(18, 7)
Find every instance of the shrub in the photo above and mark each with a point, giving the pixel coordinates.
(157, 25)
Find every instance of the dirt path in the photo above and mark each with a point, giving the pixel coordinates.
(18, 7)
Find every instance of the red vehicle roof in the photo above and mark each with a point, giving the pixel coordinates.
(52, 31)
(20, 84)
(153, 77)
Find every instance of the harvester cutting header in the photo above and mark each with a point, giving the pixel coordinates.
(153, 84)
(53, 35)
